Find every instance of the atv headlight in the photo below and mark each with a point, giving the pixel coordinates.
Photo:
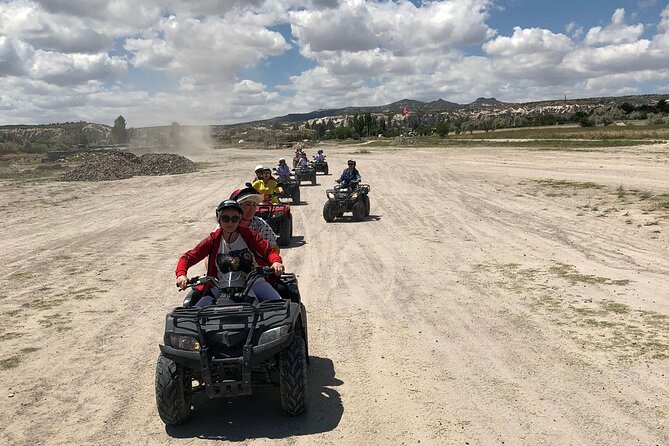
(354, 195)
(273, 334)
(331, 196)
(184, 342)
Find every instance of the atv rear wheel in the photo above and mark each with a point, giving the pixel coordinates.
(172, 400)
(359, 210)
(296, 195)
(313, 179)
(329, 212)
(325, 170)
(285, 231)
(293, 376)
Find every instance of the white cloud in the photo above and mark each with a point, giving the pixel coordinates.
(207, 50)
(68, 59)
(74, 69)
(614, 33)
(10, 61)
(25, 21)
(399, 27)
(120, 14)
(574, 29)
(533, 41)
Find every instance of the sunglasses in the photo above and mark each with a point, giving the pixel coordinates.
(228, 219)
(351, 164)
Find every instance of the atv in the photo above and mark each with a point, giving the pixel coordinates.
(320, 166)
(291, 188)
(234, 345)
(279, 218)
(305, 174)
(347, 198)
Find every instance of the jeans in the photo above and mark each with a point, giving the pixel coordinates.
(261, 288)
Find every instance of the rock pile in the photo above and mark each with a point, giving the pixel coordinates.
(120, 165)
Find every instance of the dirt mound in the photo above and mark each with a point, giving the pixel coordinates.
(165, 164)
(121, 165)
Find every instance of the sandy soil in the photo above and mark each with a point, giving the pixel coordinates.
(494, 296)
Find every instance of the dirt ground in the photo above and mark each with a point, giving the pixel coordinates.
(494, 296)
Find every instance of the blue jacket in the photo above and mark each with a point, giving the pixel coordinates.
(347, 176)
(283, 171)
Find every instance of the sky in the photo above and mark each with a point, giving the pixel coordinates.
(228, 61)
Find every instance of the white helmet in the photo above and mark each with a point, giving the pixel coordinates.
(258, 167)
(282, 159)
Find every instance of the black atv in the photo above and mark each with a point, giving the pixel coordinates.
(321, 166)
(232, 346)
(305, 174)
(279, 218)
(347, 198)
(291, 189)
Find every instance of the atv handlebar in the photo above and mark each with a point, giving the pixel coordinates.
(264, 271)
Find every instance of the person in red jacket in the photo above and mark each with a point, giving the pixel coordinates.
(234, 243)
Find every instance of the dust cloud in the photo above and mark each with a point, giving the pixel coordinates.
(192, 141)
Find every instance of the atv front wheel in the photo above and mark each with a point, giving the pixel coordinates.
(296, 195)
(313, 179)
(285, 230)
(325, 170)
(172, 400)
(328, 212)
(359, 210)
(367, 207)
(293, 376)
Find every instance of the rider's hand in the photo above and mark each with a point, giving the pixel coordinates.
(337, 181)
(182, 281)
(278, 268)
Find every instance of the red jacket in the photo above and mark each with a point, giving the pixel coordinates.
(260, 248)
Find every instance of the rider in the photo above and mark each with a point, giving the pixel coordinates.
(297, 157)
(282, 170)
(248, 199)
(303, 162)
(350, 176)
(267, 186)
(235, 242)
(319, 156)
(258, 170)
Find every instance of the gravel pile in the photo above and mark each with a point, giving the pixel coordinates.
(121, 165)
(165, 164)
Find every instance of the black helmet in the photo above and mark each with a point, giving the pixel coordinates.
(228, 204)
(320, 151)
(351, 162)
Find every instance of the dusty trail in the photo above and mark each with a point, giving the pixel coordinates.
(485, 300)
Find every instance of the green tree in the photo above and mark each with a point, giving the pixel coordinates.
(119, 133)
(442, 129)
(423, 130)
(343, 133)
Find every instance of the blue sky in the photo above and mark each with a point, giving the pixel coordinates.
(227, 61)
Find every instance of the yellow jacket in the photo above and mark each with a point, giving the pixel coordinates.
(267, 189)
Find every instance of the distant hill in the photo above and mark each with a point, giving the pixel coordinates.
(72, 134)
(53, 136)
(486, 102)
(481, 106)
